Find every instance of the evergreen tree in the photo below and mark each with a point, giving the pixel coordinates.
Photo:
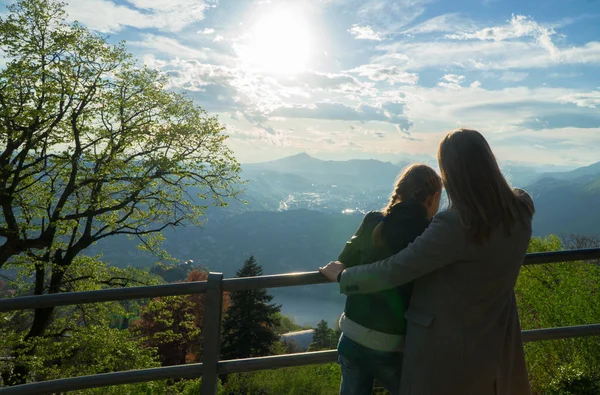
(249, 328)
(324, 337)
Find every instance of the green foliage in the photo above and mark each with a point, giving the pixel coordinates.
(183, 387)
(302, 380)
(91, 146)
(324, 338)
(173, 272)
(249, 328)
(81, 351)
(286, 324)
(555, 295)
(173, 325)
(571, 381)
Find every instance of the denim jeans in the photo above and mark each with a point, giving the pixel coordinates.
(361, 366)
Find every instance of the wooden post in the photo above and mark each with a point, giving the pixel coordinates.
(212, 334)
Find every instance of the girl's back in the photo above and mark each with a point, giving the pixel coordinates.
(383, 311)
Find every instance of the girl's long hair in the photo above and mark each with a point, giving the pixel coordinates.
(417, 182)
(476, 188)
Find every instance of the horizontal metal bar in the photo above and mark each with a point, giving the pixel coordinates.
(277, 361)
(233, 284)
(564, 332)
(244, 365)
(588, 254)
(274, 281)
(189, 371)
(309, 278)
(103, 295)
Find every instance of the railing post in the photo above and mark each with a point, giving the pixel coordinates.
(212, 334)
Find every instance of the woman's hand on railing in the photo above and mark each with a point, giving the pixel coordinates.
(332, 270)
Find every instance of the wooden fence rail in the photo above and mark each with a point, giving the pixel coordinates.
(212, 366)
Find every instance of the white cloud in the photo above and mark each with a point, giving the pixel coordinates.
(519, 26)
(364, 33)
(255, 133)
(391, 74)
(169, 46)
(590, 99)
(107, 17)
(513, 76)
(206, 31)
(391, 15)
(390, 112)
(452, 81)
(194, 75)
(483, 55)
(442, 23)
(564, 75)
(329, 82)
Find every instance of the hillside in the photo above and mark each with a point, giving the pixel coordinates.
(293, 240)
(586, 171)
(567, 205)
(328, 172)
(304, 182)
(294, 223)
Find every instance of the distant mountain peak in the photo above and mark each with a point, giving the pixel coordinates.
(302, 155)
(300, 158)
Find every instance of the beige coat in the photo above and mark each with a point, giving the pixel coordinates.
(463, 335)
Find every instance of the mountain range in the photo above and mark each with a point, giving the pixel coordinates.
(300, 210)
(301, 201)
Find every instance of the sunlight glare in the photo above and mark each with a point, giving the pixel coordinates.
(279, 43)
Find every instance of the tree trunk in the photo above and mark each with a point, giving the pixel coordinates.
(41, 319)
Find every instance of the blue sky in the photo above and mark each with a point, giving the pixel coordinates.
(376, 78)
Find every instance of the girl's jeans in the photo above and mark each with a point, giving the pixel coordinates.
(361, 366)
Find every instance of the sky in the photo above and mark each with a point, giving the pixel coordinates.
(383, 79)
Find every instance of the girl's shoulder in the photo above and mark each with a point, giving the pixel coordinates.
(373, 216)
(371, 220)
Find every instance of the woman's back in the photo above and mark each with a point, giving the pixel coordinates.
(463, 332)
(467, 311)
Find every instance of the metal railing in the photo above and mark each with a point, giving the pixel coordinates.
(211, 366)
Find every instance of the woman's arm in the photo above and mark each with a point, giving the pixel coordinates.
(443, 242)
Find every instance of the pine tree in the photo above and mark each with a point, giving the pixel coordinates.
(249, 328)
(324, 337)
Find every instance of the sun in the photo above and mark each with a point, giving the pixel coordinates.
(279, 42)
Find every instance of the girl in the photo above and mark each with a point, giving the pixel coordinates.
(463, 335)
(373, 325)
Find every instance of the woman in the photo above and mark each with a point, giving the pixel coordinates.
(463, 335)
(373, 325)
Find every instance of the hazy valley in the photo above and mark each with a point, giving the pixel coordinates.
(300, 210)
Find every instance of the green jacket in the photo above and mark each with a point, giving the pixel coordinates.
(383, 311)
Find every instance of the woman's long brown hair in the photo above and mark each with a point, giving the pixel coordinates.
(476, 188)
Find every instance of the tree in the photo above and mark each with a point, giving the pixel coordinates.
(174, 272)
(249, 328)
(173, 325)
(324, 337)
(79, 339)
(92, 146)
(286, 324)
